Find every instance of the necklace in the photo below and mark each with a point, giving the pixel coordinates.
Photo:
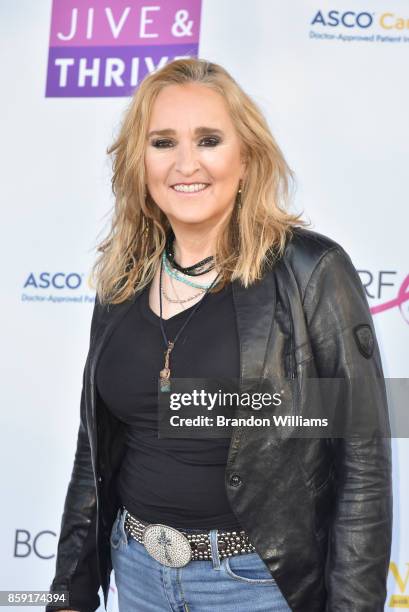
(196, 269)
(172, 282)
(164, 374)
(178, 300)
(175, 274)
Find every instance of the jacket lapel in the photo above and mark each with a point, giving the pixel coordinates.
(254, 309)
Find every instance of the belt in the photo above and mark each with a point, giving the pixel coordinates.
(175, 548)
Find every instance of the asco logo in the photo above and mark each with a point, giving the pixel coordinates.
(59, 280)
(349, 19)
(56, 287)
(353, 19)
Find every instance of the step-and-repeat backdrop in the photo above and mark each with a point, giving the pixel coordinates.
(332, 81)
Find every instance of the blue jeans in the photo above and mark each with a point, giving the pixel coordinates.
(233, 584)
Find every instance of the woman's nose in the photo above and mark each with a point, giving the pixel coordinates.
(187, 160)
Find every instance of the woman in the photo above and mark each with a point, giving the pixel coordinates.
(205, 275)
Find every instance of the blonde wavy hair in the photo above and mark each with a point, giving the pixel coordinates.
(256, 232)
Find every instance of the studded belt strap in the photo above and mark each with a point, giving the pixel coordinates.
(229, 543)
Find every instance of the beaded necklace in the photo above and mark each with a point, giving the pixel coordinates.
(196, 269)
(164, 374)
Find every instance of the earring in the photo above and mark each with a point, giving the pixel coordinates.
(238, 197)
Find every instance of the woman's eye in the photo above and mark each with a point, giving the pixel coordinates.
(161, 144)
(210, 141)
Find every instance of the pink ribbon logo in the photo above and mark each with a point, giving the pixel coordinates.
(400, 301)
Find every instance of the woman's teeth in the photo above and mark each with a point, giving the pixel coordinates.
(190, 188)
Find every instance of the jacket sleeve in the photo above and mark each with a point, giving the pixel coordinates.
(345, 346)
(76, 568)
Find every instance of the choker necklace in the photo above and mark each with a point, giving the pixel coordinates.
(196, 269)
(164, 374)
(175, 274)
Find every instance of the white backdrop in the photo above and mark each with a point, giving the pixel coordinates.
(333, 86)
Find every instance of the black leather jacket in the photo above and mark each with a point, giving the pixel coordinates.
(318, 511)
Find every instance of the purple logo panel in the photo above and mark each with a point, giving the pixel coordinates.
(102, 48)
(106, 71)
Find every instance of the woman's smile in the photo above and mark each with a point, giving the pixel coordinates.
(190, 189)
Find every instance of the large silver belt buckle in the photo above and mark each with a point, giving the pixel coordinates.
(167, 545)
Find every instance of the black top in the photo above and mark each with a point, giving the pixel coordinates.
(179, 482)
